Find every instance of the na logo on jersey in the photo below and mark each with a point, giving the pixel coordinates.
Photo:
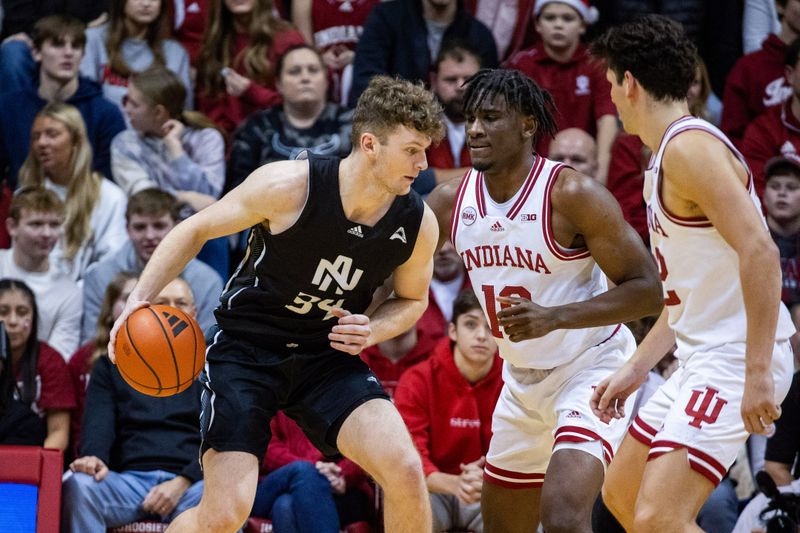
(175, 323)
(356, 230)
(339, 272)
(399, 235)
(497, 226)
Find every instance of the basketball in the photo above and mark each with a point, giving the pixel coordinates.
(160, 350)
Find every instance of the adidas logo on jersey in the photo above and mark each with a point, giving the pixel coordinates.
(356, 230)
(400, 235)
(573, 414)
(497, 227)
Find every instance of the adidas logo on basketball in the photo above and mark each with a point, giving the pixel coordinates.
(497, 227)
(175, 323)
(356, 230)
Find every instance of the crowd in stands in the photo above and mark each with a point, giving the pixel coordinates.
(120, 118)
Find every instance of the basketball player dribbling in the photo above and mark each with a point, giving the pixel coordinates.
(722, 288)
(326, 233)
(538, 240)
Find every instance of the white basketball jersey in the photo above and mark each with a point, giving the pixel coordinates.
(699, 270)
(509, 250)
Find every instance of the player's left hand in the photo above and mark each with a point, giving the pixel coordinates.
(758, 403)
(523, 319)
(164, 497)
(352, 332)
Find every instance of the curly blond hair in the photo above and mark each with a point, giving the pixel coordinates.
(391, 102)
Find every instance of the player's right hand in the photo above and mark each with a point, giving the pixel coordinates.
(91, 465)
(130, 306)
(608, 398)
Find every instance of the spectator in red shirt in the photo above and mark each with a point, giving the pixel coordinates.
(334, 29)
(757, 80)
(42, 377)
(388, 360)
(576, 148)
(782, 204)
(236, 66)
(456, 62)
(777, 130)
(560, 64)
(447, 403)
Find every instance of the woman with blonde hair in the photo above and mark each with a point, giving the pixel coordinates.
(60, 158)
(236, 69)
(131, 41)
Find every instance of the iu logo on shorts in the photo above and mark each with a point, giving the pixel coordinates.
(704, 406)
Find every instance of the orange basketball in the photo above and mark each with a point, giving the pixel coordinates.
(160, 350)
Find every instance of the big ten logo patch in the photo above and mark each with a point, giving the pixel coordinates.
(340, 273)
(704, 406)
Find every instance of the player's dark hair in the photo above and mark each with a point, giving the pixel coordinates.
(655, 50)
(520, 92)
(792, 54)
(465, 302)
(458, 50)
(29, 362)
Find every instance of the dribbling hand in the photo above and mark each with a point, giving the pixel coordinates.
(130, 307)
(351, 333)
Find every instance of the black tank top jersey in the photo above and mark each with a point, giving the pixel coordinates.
(282, 292)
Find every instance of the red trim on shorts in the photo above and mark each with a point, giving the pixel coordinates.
(580, 434)
(616, 330)
(699, 461)
(642, 431)
(462, 187)
(495, 475)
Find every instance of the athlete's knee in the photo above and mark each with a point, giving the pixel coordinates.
(652, 519)
(403, 472)
(566, 516)
(227, 514)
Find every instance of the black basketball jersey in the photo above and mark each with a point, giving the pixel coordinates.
(282, 291)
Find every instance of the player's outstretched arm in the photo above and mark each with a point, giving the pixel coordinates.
(272, 194)
(717, 188)
(410, 284)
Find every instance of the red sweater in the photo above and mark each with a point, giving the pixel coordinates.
(756, 82)
(579, 88)
(626, 180)
(289, 444)
(441, 156)
(449, 419)
(227, 111)
(389, 372)
(776, 131)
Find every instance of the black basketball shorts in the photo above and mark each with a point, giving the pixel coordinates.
(245, 385)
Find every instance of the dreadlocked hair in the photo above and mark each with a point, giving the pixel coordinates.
(520, 92)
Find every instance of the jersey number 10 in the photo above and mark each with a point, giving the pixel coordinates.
(491, 303)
